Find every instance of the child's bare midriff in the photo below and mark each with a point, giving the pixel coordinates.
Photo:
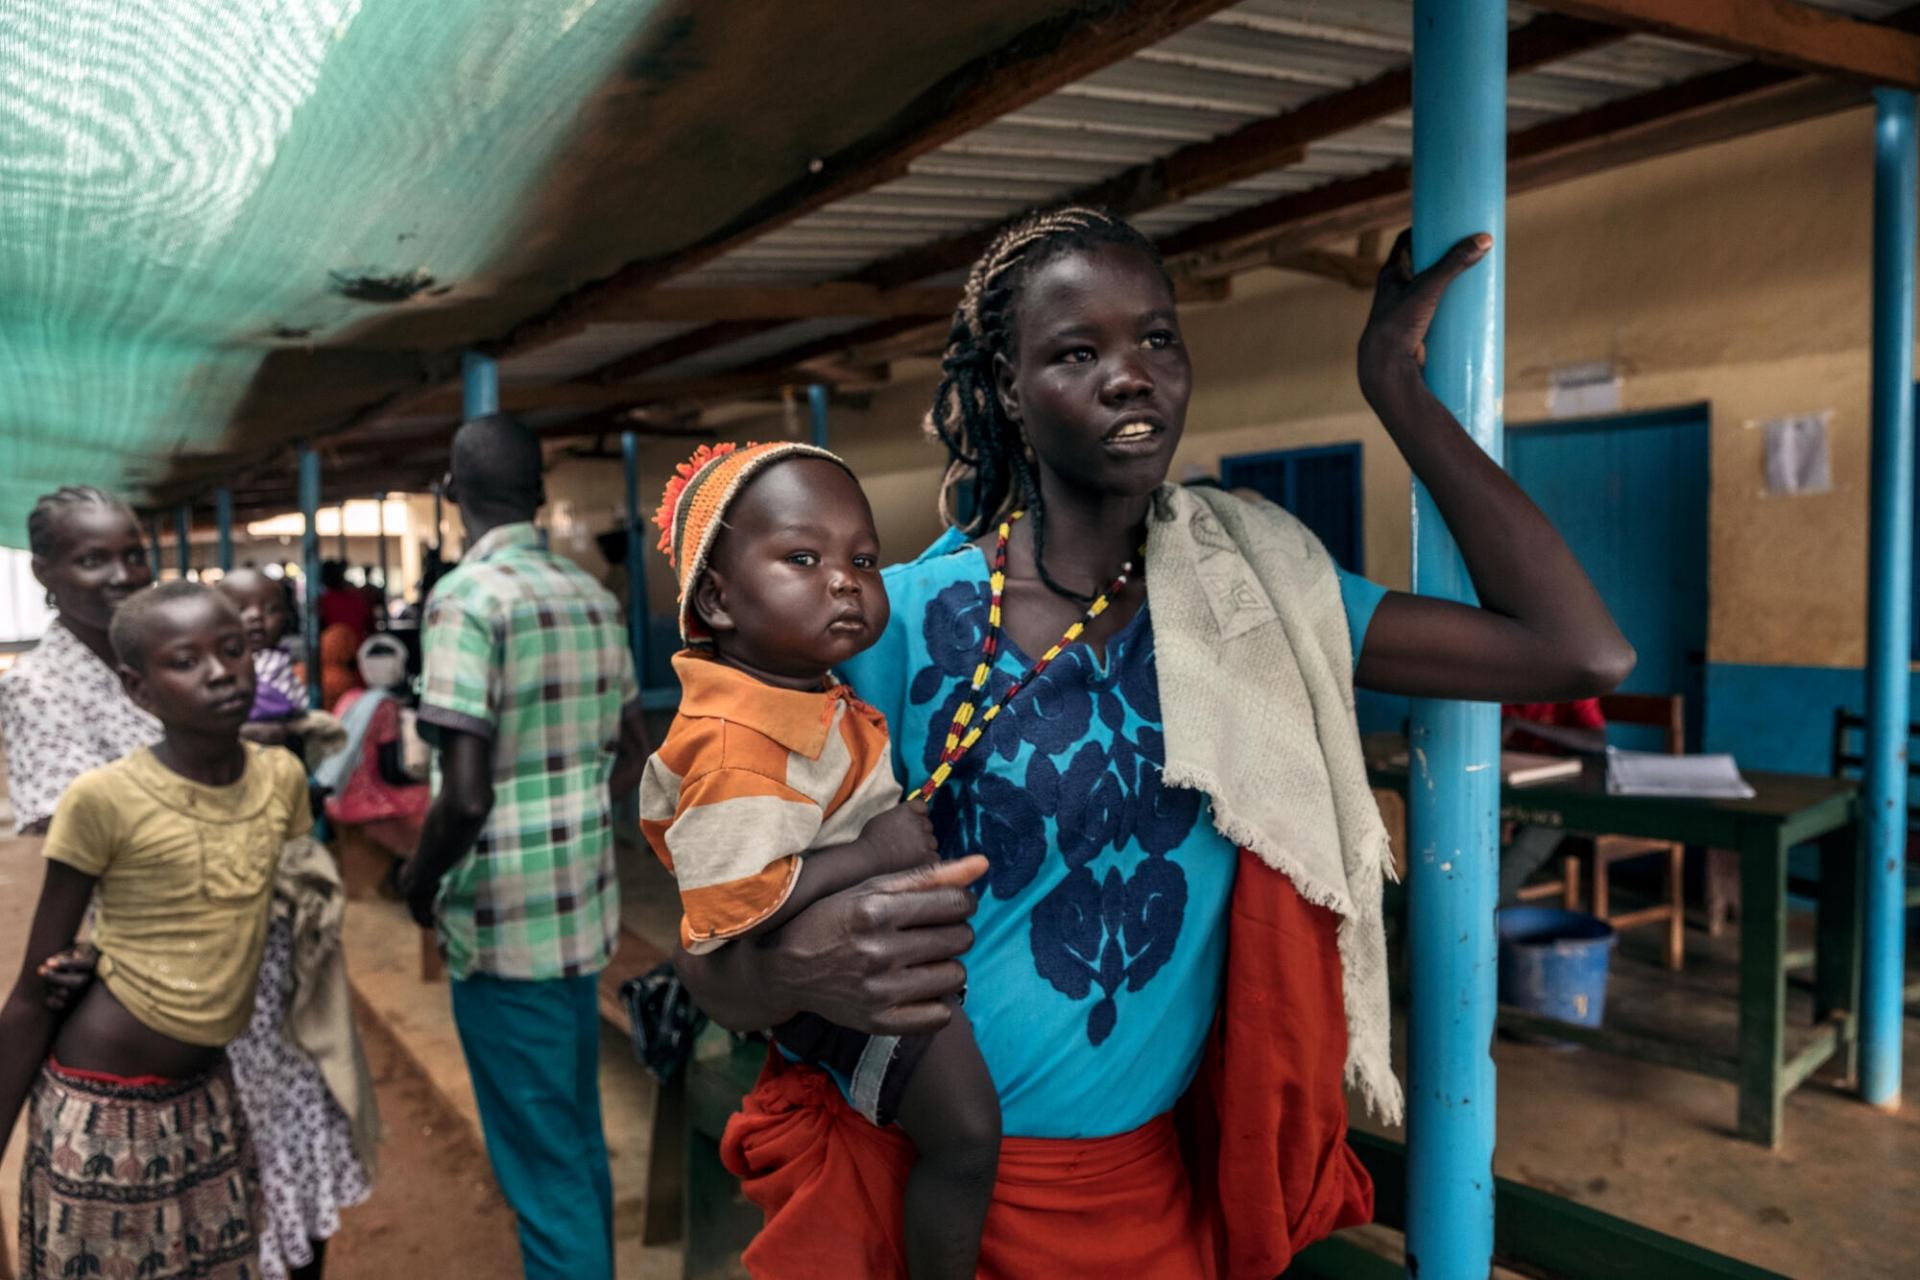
(102, 1035)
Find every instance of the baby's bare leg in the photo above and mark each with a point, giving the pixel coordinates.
(952, 1113)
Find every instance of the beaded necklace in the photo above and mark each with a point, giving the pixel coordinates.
(963, 733)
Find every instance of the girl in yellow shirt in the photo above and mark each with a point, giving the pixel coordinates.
(138, 1157)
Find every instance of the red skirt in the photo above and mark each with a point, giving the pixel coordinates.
(830, 1184)
(1252, 1167)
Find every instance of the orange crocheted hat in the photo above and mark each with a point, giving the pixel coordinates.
(693, 509)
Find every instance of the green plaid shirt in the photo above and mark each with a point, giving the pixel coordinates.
(526, 650)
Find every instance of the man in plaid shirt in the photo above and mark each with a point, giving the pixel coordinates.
(531, 701)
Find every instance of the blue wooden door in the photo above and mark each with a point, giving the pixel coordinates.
(1321, 485)
(1629, 494)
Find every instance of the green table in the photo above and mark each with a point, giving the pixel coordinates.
(1788, 809)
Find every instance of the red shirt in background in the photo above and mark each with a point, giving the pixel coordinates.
(346, 607)
(1584, 714)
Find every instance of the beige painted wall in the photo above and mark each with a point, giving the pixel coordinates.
(1736, 275)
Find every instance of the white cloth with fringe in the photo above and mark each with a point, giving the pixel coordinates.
(1256, 689)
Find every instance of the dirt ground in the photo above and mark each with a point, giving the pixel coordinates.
(435, 1209)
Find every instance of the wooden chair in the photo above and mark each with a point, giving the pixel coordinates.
(1565, 885)
(1667, 712)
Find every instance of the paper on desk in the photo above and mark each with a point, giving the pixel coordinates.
(1655, 773)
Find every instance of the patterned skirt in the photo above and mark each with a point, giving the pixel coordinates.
(147, 1179)
(308, 1169)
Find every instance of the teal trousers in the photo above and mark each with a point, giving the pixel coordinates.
(533, 1050)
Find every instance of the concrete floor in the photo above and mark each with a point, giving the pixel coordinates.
(1840, 1199)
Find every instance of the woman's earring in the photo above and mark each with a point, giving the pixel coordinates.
(52, 603)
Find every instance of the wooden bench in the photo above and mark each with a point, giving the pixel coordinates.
(665, 1190)
(719, 1221)
(690, 1196)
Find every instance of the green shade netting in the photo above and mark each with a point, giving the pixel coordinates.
(179, 177)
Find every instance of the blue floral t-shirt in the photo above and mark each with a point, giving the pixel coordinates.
(1100, 942)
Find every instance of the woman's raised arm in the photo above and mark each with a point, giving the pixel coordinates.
(879, 957)
(1541, 632)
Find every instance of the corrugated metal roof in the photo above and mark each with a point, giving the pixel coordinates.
(1257, 59)
(747, 350)
(584, 352)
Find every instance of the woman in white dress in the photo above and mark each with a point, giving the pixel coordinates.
(62, 708)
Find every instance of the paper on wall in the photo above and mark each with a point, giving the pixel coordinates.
(1798, 458)
(1583, 390)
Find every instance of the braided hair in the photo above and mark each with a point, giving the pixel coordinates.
(990, 469)
(43, 523)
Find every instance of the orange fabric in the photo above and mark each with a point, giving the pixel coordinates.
(339, 645)
(745, 783)
(1266, 1120)
(791, 719)
(1275, 1177)
(831, 1186)
(722, 911)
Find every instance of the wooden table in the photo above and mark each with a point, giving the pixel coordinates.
(1788, 809)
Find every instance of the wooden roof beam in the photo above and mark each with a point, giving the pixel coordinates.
(1054, 53)
(885, 288)
(1355, 270)
(1778, 32)
(1705, 109)
(805, 302)
(1257, 147)
(1260, 146)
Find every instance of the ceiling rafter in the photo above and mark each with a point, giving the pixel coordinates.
(1287, 232)
(1257, 147)
(771, 302)
(1777, 32)
(1261, 146)
(1292, 230)
(1051, 54)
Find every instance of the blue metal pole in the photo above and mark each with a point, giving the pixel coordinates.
(380, 536)
(310, 566)
(223, 521)
(1459, 187)
(183, 535)
(479, 385)
(479, 392)
(153, 543)
(636, 574)
(1896, 168)
(817, 406)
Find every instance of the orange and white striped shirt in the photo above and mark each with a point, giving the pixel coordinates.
(749, 779)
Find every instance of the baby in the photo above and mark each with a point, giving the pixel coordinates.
(279, 696)
(775, 788)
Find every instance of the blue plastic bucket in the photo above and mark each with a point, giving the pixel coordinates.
(1554, 962)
